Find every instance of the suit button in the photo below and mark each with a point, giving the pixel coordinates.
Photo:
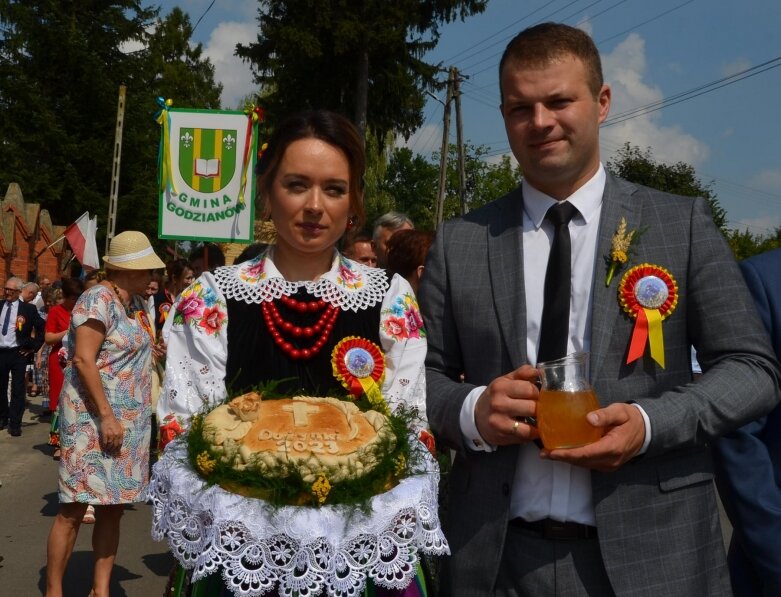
(505, 489)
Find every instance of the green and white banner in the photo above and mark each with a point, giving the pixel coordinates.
(207, 174)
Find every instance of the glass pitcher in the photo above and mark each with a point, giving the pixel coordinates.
(566, 397)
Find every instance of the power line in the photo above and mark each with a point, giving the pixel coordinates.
(696, 92)
(482, 41)
(547, 17)
(208, 8)
(591, 18)
(659, 16)
(695, 89)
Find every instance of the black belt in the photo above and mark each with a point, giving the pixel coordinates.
(555, 530)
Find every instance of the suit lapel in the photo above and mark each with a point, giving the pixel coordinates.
(505, 266)
(616, 203)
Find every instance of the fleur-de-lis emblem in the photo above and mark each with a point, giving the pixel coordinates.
(186, 139)
(229, 140)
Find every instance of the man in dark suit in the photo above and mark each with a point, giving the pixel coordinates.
(18, 320)
(634, 513)
(748, 461)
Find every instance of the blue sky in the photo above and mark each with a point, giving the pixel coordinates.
(651, 51)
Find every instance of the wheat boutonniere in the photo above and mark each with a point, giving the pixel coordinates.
(619, 249)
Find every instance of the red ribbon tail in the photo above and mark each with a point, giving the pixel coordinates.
(639, 338)
(356, 389)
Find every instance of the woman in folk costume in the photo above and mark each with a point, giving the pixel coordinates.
(280, 315)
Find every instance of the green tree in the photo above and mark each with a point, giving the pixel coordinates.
(745, 244)
(61, 65)
(363, 59)
(376, 198)
(177, 68)
(172, 67)
(485, 181)
(412, 183)
(680, 178)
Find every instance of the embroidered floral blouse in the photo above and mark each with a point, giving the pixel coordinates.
(217, 338)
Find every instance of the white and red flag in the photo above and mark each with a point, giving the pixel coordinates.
(81, 237)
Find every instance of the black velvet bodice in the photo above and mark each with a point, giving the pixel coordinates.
(254, 358)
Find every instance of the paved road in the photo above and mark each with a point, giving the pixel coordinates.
(28, 503)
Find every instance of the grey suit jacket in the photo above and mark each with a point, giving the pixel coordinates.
(657, 518)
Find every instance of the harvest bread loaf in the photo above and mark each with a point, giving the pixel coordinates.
(311, 435)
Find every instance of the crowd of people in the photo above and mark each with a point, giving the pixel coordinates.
(530, 277)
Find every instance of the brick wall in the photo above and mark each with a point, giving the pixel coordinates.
(25, 230)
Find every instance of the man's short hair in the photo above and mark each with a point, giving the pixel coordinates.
(18, 282)
(393, 220)
(543, 44)
(349, 241)
(32, 285)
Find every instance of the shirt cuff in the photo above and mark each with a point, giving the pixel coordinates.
(647, 421)
(466, 420)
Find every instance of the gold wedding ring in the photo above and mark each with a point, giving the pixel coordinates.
(515, 426)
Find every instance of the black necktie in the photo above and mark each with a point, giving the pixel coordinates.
(7, 317)
(554, 328)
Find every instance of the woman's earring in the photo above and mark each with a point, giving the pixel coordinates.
(350, 224)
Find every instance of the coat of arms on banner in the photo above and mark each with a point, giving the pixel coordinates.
(207, 166)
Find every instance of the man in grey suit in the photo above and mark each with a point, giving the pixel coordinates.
(635, 512)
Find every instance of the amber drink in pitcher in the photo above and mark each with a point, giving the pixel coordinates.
(566, 397)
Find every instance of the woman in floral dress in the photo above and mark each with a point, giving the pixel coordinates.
(105, 410)
(279, 315)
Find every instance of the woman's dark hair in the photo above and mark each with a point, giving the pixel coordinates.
(250, 252)
(176, 267)
(72, 288)
(407, 249)
(47, 294)
(330, 127)
(93, 274)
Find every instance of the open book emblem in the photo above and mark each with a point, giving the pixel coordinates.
(207, 158)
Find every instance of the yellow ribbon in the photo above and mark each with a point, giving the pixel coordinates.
(655, 335)
(166, 168)
(373, 394)
(252, 124)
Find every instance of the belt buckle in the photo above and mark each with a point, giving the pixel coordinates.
(556, 530)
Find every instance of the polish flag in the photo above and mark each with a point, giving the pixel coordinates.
(81, 237)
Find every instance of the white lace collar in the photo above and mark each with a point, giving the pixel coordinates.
(347, 285)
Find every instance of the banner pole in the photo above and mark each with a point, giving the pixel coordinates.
(41, 252)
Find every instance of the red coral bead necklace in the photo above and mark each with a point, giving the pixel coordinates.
(279, 327)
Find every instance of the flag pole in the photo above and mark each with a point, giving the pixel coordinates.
(41, 252)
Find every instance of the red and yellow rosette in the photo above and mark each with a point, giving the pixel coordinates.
(20, 322)
(649, 294)
(359, 365)
(143, 321)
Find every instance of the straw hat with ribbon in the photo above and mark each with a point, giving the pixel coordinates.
(131, 250)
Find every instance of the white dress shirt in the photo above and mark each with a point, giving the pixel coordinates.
(8, 340)
(544, 488)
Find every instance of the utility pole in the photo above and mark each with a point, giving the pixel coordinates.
(112, 200)
(443, 154)
(459, 140)
(453, 93)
